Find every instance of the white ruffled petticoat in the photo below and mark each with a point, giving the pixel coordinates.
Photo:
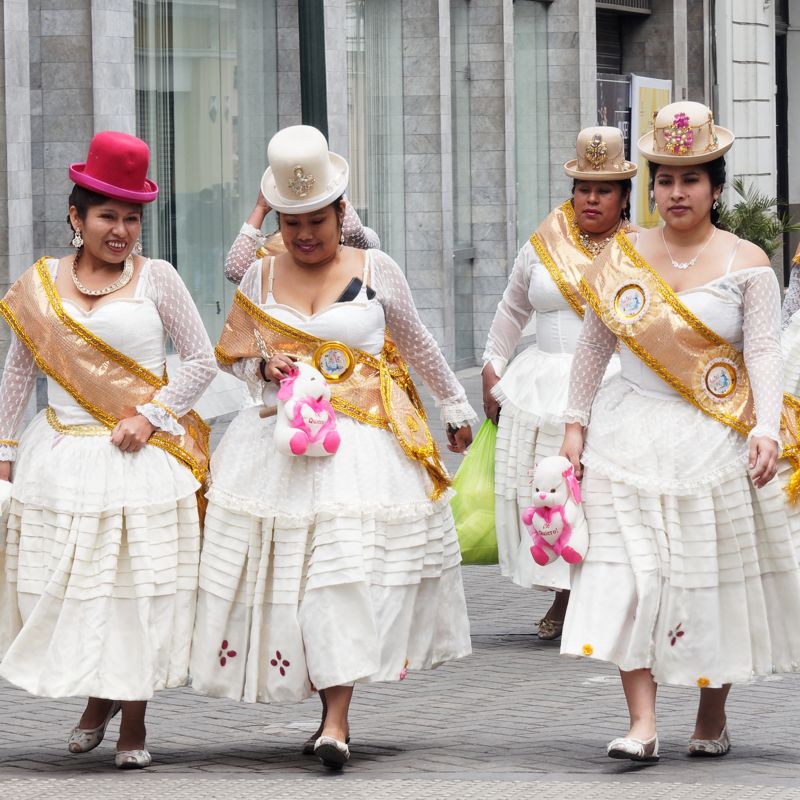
(101, 553)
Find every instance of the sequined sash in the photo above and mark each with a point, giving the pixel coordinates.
(102, 380)
(706, 370)
(379, 392)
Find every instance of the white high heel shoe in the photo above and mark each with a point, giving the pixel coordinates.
(82, 740)
(645, 750)
(132, 759)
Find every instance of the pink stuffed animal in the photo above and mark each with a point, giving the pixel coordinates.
(306, 422)
(555, 521)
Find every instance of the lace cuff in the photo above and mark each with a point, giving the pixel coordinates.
(161, 417)
(8, 451)
(252, 232)
(575, 415)
(765, 430)
(457, 412)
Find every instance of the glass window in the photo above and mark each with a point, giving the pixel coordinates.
(375, 119)
(532, 115)
(206, 103)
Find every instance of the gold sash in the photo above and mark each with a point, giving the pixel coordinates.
(706, 370)
(102, 380)
(796, 256)
(558, 245)
(379, 391)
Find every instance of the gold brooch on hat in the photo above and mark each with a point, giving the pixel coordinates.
(301, 182)
(596, 151)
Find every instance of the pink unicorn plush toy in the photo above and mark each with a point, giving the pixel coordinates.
(555, 521)
(306, 422)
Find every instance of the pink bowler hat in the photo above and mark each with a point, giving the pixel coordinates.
(116, 166)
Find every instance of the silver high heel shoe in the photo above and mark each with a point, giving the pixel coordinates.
(645, 750)
(331, 752)
(82, 740)
(711, 747)
(132, 759)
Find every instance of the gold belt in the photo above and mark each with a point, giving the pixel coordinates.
(74, 430)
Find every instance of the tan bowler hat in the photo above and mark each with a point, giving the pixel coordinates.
(685, 133)
(600, 152)
(303, 175)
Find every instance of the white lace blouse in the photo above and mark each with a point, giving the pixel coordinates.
(414, 341)
(743, 307)
(160, 283)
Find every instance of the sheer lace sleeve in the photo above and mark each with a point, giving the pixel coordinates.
(762, 348)
(416, 343)
(19, 378)
(185, 328)
(593, 351)
(791, 301)
(244, 247)
(513, 313)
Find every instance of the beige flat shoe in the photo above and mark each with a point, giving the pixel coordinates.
(308, 744)
(550, 629)
(645, 750)
(710, 747)
(331, 752)
(132, 759)
(82, 740)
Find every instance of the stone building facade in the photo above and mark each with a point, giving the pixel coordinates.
(456, 116)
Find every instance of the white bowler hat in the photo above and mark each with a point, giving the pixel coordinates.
(685, 133)
(303, 175)
(600, 152)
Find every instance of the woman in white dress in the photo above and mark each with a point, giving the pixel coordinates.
(532, 389)
(691, 574)
(319, 572)
(100, 547)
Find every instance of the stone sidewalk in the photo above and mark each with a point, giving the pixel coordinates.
(514, 720)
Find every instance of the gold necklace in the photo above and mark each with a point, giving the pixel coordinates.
(123, 280)
(595, 248)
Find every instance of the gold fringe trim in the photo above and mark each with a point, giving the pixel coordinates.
(74, 430)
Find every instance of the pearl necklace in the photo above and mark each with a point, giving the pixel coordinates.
(691, 262)
(595, 248)
(123, 280)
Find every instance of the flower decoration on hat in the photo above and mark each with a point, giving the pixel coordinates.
(596, 151)
(302, 182)
(678, 136)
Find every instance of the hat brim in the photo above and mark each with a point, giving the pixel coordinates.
(77, 175)
(571, 168)
(725, 139)
(305, 205)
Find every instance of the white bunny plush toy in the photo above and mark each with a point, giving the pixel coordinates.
(305, 423)
(556, 521)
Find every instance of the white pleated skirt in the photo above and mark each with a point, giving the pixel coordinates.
(318, 572)
(691, 571)
(98, 568)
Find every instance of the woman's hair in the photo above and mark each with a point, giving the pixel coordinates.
(334, 204)
(625, 185)
(716, 174)
(84, 199)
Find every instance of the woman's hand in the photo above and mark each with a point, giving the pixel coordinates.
(459, 439)
(5, 470)
(259, 212)
(572, 446)
(279, 366)
(762, 460)
(491, 408)
(131, 434)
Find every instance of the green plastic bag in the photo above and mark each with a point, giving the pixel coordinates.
(473, 505)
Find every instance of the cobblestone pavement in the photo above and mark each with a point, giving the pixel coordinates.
(514, 720)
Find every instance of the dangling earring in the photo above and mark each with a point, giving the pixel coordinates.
(77, 240)
(651, 204)
(715, 204)
(341, 237)
(137, 248)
